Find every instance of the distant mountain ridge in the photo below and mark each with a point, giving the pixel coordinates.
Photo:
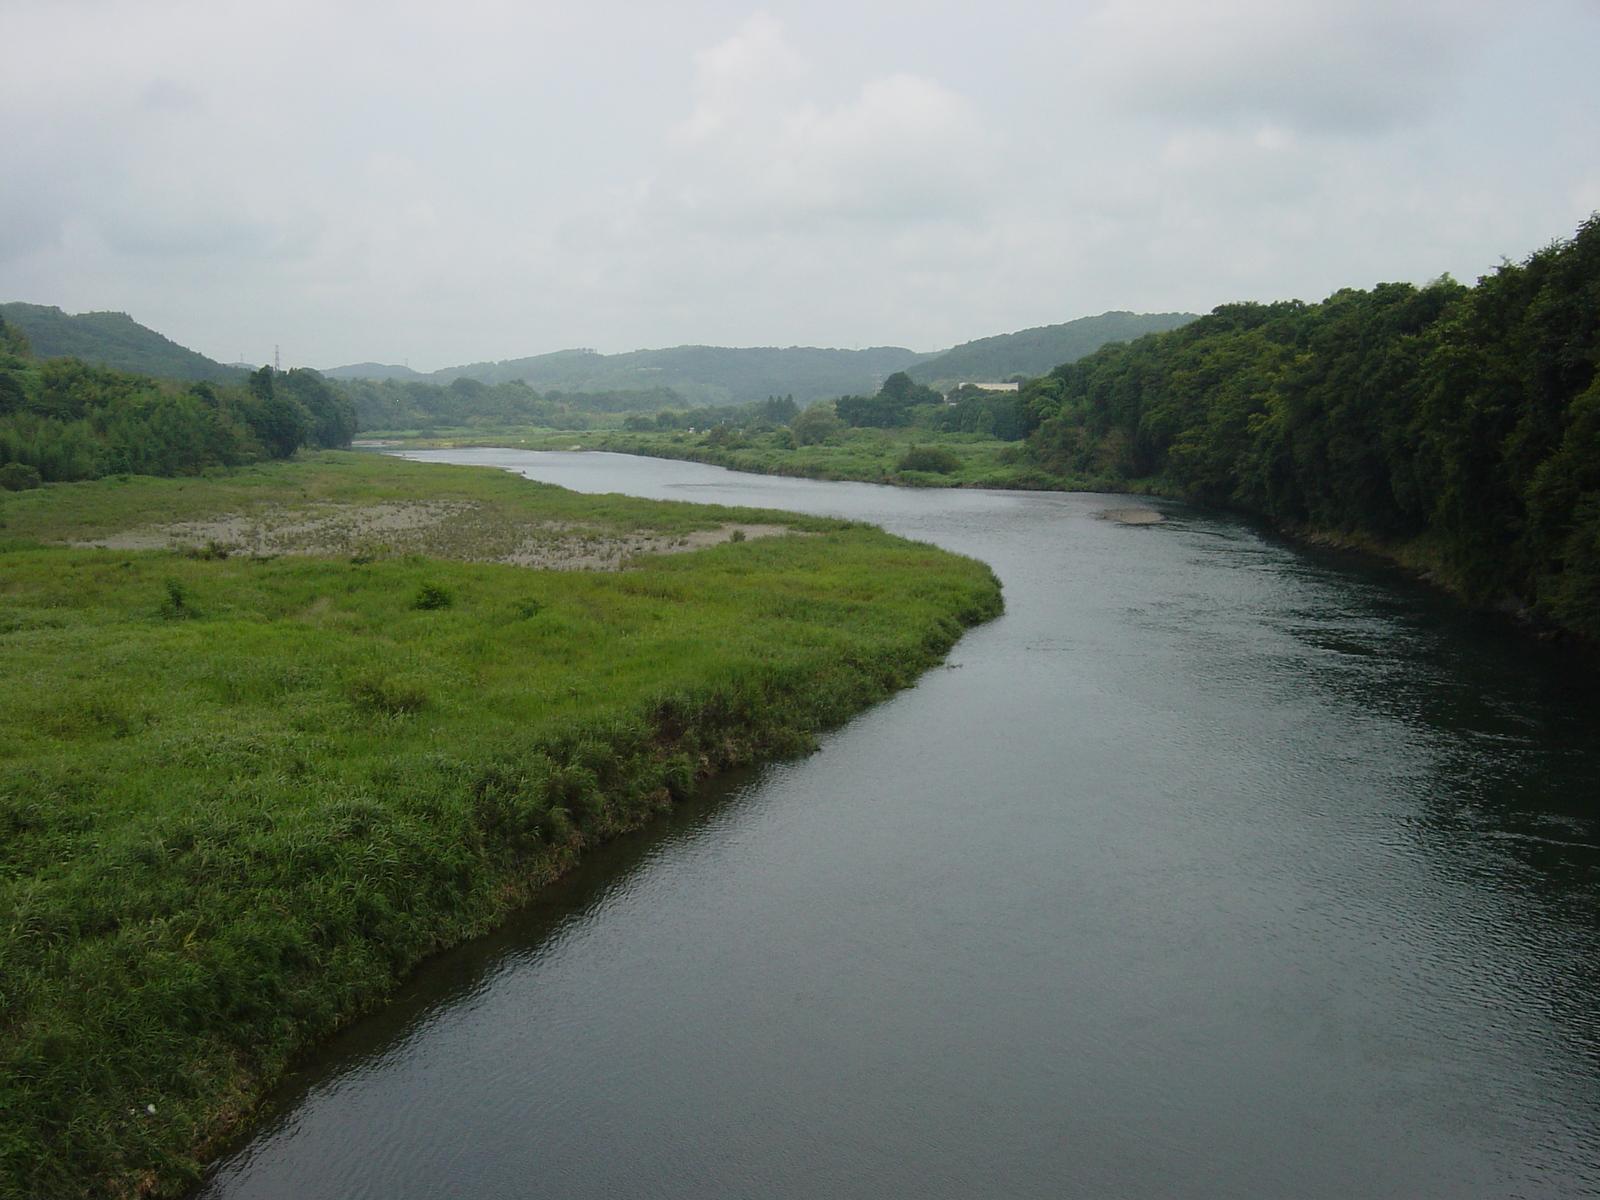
(702, 375)
(375, 371)
(110, 339)
(1033, 352)
(729, 375)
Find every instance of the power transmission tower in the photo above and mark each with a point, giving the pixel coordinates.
(277, 362)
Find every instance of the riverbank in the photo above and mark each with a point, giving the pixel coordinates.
(245, 790)
(862, 455)
(871, 455)
(1197, 799)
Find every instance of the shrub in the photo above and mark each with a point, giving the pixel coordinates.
(934, 459)
(177, 606)
(376, 693)
(431, 596)
(19, 477)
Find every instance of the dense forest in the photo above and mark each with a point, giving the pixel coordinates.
(901, 403)
(712, 376)
(700, 375)
(111, 339)
(391, 405)
(1462, 423)
(1034, 351)
(61, 419)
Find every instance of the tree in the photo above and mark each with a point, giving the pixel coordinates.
(817, 424)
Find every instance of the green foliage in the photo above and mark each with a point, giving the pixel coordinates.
(223, 837)
(1034, 351)
(108, 339)
(839, 452)
(1462, 418)
(14, 344)
(391, 405)
(176, 605)
(375, 692)
(974, 410)
(893, 406)
(702, 375)
(19, 477)
(68, 420)
(431, 596)
(816, 425)
(934, 459)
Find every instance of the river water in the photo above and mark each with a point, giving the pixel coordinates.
(1213, 868)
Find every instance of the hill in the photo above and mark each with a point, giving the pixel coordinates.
(111, 339)
(1031, 352)
(702, 375)
(373, 371)
(1453, 427)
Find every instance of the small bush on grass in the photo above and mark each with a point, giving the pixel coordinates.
(20, 477)
(934, 459)
(380, 695)
(177, 606)
(431, 596)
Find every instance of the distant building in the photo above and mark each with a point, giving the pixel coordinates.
(1010, 386)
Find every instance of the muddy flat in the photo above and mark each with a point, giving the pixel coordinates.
(439, 528)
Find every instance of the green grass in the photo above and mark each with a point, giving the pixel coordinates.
(870, 455)
(241, 797)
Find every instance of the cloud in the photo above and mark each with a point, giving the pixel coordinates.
(491, 178)
(1354, 67)
(760, 150)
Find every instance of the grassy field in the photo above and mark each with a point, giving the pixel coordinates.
(870, 455)
(242, 795)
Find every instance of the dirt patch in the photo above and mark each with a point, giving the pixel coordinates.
(470, 532)
(1131, 516)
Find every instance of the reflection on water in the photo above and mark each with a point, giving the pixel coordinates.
(1213, 868)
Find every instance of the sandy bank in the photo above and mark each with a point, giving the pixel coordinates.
(441, 529)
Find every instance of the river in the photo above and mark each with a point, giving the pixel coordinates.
(1214, 868)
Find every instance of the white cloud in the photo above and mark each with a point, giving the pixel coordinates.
(491, 178)
(1350, 67)
(759, 151)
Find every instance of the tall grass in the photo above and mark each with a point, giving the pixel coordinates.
(240, 798)
(869, 455)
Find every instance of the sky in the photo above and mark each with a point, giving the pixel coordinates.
(438, 184)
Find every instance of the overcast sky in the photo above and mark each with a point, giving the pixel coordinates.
(443, 183)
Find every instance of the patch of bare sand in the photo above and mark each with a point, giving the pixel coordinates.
(1131, 516)
(444, 530)
(578, 550)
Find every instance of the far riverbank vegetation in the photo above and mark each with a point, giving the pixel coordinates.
(1452, 428)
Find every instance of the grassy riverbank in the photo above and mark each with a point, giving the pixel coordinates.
(242, 794)
(873, 456)
(867, 455)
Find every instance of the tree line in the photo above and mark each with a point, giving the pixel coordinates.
(1464, 421)
(898, 404)
(63, 420)
(394, 405)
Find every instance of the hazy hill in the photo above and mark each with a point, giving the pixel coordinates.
(110, 339)
(700, 374)
(1032, 352)
(374, 371)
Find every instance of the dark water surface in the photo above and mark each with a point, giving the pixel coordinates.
(1212, 869)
